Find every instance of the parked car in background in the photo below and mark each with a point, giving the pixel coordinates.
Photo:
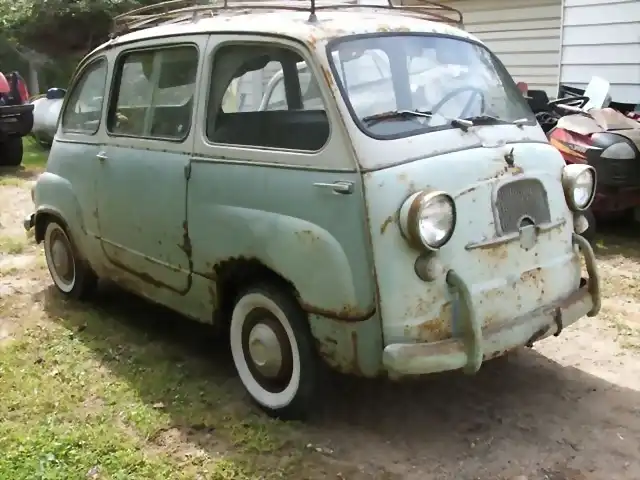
(588, 128)
(46, 111)
(393, 225)
(16, 118)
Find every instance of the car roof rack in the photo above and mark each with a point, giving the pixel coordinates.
(176, 11)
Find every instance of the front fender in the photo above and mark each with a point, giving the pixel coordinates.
(315, 262)
(54, 195)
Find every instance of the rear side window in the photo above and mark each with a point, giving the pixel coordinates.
(84, 108)
(153, 93)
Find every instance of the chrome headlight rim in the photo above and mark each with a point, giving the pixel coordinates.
(410, 216)
(570, 175)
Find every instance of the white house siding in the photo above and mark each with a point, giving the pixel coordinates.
(602, 37)
(525, 34)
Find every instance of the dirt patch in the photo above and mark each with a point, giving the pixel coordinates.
(569, 409)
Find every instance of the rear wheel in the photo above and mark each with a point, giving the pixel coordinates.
(70, 274)
(11, 152)
(273, 351)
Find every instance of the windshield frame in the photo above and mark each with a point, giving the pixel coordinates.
(502, 71)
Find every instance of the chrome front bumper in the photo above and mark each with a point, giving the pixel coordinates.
(468, 352)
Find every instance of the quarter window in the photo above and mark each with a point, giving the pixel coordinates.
(265, 96)
(153, 93)
(84, 109)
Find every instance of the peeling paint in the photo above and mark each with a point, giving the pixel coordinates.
(388, 221)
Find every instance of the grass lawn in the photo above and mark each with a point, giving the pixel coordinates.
(117, 388)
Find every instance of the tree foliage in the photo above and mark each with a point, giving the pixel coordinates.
(60, 28)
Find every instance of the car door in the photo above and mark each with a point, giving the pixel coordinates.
(78, 140)
(146, 164)
(278, 186)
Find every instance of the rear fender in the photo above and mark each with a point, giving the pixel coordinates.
(53, 195)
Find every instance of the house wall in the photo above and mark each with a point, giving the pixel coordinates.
(602, 37)
(525, 34)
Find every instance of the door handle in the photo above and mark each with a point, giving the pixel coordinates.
(341, 186)
(102, 156)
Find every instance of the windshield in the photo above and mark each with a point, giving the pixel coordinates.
(399, 85)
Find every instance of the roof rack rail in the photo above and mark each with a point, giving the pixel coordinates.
(175, 11)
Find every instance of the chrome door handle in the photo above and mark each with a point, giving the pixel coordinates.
(340, 186)
(102, 156)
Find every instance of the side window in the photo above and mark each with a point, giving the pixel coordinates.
(265, 96)
(153, 93)
(84, 108)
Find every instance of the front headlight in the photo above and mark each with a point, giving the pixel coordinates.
(428, 219)
(619, 151)
(579, 184)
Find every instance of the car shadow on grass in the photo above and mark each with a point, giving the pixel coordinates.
(526, 415)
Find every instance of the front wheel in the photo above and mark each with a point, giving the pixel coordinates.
(273, 352)
(11, 152)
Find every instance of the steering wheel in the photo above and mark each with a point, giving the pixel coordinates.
(569, 104)
(454, 93)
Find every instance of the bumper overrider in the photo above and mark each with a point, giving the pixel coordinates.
(468, 352)
(29, 221)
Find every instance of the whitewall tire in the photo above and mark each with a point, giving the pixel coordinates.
(70, 273)
(273, 351)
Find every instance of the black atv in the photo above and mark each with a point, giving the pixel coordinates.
(16, 118)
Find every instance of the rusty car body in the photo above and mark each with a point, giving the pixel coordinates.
(408, 232)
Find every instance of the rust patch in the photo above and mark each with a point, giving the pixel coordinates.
(346, 314)
(388, 221)
(496, 253)
(387, 28)
(438, 328)
(185, 246)
(356, 364)
(531, 275)
(327, 76)
(512, 170)
(468, 190)
(307, 236)
(312, 41)
(336, 358)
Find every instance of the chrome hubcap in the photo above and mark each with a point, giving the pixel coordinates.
(61, 259)
(265, 350)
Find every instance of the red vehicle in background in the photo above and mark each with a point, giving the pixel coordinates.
(586, 127)
(16, 118)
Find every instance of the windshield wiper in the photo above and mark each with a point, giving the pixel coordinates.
(395, 114)
(493, 120)
(486, 120)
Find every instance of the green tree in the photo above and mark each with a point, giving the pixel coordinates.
(61, 28)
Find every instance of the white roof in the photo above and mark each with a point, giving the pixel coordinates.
(296, 25)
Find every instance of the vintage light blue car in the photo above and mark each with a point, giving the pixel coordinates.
(404, 222)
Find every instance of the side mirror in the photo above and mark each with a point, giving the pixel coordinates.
(56, 93)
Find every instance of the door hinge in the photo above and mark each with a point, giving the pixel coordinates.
(187, 171)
